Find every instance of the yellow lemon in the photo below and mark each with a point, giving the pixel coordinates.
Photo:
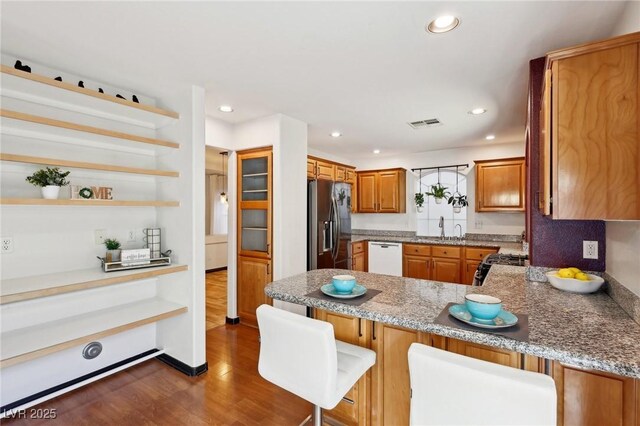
(575, 270)
(582, 276)
(566, 273)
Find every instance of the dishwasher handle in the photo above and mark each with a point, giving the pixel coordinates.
(385, 245)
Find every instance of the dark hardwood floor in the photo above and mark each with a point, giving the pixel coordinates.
(152, 393)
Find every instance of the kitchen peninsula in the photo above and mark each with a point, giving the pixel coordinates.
(574, 338)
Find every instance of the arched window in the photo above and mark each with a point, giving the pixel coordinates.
(429, 218)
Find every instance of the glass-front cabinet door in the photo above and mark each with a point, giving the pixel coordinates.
(254, 212)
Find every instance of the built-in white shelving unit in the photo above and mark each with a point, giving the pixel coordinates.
(24, 344)
(47, 91)
(33, 287)
(56, 298)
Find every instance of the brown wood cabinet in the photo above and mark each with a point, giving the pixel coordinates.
(485, 353)
(450, 264)
(391, 388)
(359, 256)
(254, 231)
(253, 275)
(595, 398)
(354, 408)
(382, 191)
(591, 122)
(500, 185)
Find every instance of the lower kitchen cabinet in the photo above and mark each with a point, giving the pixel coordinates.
(416, 267)
(391, 391)
(253, 275)
(588, 397)
(469, 268)
(446, 270)
(359, 256)
(485, 353)
(354, 407)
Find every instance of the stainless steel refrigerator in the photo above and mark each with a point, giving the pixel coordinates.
(329, 225)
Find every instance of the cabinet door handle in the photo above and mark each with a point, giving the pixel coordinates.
(467, 267)
(268, 268)
(373, 333)
(360, 327)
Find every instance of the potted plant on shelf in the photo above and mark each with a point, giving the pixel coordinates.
(49, 180)
(458, 201)
(438, 192)
(113, 250)
(419, 199)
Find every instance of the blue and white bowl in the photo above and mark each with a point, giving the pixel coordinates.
(344, 283)
(483, 306)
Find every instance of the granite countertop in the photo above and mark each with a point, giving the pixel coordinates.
(505, 247)
(589, 331)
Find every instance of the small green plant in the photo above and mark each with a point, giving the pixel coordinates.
(49, 177)
(112, 244)
(458, 200)
(438, 191)
(419, 199)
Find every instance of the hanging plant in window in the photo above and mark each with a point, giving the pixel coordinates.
(457, 199)
(438, 191)
(419, 196)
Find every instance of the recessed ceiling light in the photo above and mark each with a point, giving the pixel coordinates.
(477, 111)
(225, 108)
(336, 134)
(443, 24)
(376, 151)
(490, 137)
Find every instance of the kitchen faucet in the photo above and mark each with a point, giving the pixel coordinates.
(454, 229)
(441, 226)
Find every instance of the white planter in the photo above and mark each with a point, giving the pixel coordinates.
(457, 209)
(50, 192)
(439, 200)
(420, 209)
(113, 255)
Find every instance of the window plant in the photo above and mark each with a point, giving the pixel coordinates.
(49, 180)
(419, 199)
(113, 249)
(438, 192)
(458, 201)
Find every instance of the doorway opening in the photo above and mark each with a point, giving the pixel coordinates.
(216, 225)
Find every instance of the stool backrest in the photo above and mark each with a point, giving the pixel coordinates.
(297, 354)
(451, 389)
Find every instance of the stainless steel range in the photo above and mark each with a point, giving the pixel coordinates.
(497, 259)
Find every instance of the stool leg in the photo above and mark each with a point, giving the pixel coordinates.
(317, 415)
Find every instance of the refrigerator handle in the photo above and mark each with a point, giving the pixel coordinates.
(326, 244)
(337, 230)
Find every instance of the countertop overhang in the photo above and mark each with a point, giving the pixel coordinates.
(587, 331)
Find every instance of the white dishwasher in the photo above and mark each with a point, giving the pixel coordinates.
(385, 258)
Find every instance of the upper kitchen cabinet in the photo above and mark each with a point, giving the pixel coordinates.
(590, 125)
(382, 191)
(500, 185)
(318, 168)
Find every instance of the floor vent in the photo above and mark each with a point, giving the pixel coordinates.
(420, 124)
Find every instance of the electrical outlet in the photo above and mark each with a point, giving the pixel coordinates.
(7, 245)
(99, 235)
(131, 235)
(590, 249)
(478, 223)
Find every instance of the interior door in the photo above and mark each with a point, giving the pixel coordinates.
(253, 275)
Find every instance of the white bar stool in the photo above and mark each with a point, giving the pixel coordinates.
(301, 355)
(451, 389)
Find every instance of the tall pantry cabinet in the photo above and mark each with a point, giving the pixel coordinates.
(255, 230)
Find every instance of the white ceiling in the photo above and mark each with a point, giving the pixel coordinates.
(364, 68)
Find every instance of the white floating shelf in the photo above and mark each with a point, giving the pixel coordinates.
(34, 126)
(85, 165)
(37, 286)
(25, 344)
(86, 203)
(47, 91)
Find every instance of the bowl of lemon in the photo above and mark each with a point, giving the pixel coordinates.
(574, 280)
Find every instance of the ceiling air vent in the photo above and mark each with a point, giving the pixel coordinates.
(429, 122)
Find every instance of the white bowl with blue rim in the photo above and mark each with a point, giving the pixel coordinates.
(483, 306)
(344, 284)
